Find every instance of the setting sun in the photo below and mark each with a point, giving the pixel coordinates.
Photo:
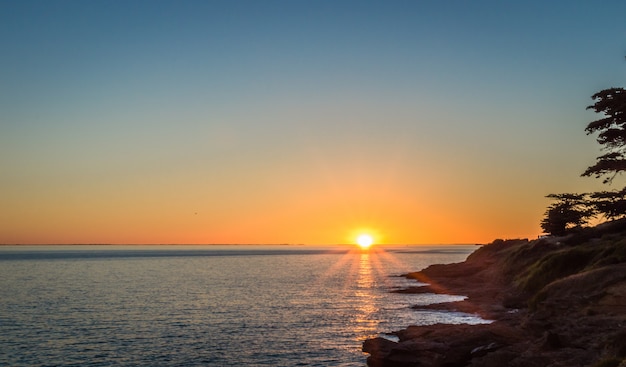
(364, 241)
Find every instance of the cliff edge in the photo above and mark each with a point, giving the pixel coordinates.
(557, 301)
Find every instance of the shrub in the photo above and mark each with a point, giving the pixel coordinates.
(555, 266)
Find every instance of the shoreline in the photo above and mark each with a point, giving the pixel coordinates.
(576, 318)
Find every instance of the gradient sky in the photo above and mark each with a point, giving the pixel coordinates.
(297, 121)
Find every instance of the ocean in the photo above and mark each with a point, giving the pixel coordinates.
(209, 305)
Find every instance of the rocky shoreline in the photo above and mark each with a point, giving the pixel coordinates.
(554, 302)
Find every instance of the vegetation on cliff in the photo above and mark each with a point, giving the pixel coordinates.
(558, 301)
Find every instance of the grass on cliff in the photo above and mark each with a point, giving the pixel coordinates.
(555, 266)
(535, 264)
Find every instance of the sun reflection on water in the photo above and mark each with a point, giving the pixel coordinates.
(363, 279)
(365, 321)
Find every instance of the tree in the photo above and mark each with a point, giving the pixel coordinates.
(574, 210)
(611, 133)
(570, 211)
(612, 204)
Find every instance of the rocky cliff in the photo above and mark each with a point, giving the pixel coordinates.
(554, 302)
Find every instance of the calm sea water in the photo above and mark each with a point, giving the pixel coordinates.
(208, 305)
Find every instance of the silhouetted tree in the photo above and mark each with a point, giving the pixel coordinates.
(569, 211)
(574, 210)
(611, 204)
(611, 133)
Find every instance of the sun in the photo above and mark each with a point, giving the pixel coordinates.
(364, 240)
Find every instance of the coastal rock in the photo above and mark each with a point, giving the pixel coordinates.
(555, 302)
(387, 353)
(417, 290)
(379, 347)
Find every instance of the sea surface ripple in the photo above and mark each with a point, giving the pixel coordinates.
(208, 305)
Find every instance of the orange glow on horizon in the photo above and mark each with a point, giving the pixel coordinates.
(313, 210)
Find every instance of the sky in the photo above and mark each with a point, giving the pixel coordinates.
(203, 122)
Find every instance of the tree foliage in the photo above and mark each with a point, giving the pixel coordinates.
(611, 130)
(611, 204)
(569, 211)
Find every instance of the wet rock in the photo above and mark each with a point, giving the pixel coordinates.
(378, 347)
(484, 349)
(386, 353)
(416, 290)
